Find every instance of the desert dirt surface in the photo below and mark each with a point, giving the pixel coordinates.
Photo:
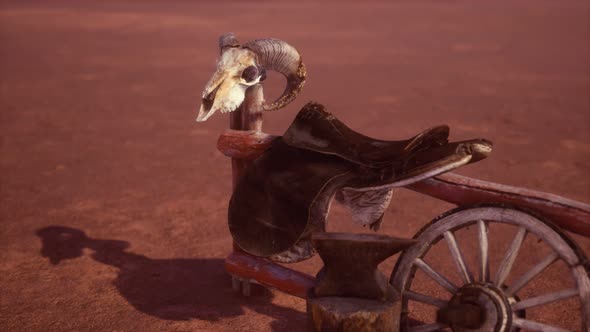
(98, 102)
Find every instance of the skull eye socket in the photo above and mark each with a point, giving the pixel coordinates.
(250, 73)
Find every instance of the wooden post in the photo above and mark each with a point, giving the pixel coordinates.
(247, 117)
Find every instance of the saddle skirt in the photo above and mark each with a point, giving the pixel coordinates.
(285, 195)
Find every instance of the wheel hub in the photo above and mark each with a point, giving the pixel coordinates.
(477, 307)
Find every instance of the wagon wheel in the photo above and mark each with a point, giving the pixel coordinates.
(491, 301)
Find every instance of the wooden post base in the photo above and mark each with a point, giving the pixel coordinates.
(352, 314)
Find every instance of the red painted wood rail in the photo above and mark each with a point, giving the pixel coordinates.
(269, 274)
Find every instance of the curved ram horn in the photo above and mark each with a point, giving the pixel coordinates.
(228, 40)
(277, 55)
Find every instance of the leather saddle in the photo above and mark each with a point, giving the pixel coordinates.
(284, 196)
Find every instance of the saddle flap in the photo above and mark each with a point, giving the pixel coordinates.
(283, 196)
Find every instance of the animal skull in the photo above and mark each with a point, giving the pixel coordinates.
(225, 91)
(240, 67)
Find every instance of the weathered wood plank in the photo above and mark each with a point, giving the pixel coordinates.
(461, 190)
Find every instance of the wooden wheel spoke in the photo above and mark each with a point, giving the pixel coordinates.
(545, 299)
(427, 327)
(484, 265)
(439, 278)
(535, 326)
(532, 273)
(433, 301)
(458, 257)
(510, 257)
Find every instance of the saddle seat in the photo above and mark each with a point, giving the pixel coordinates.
(316, 129)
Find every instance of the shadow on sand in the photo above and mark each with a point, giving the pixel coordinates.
(174, 289)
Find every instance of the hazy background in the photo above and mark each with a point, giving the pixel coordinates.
(98, 102)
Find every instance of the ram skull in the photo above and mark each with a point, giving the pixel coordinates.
(242, 66)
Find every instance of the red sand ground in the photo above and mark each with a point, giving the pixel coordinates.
(98, 102)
